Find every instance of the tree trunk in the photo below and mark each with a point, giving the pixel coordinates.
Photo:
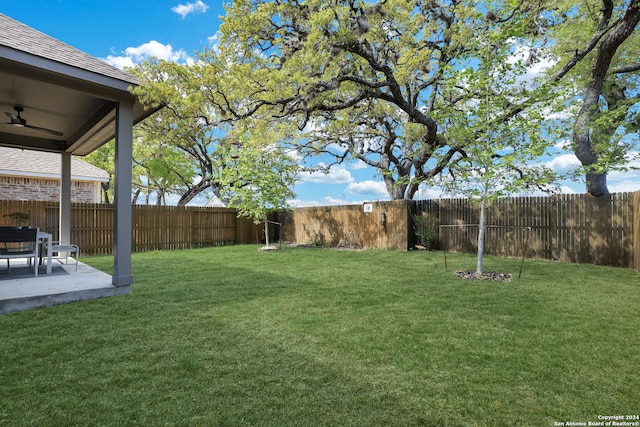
(266, 230)
(105, 191)
(396, 191)
(134, 198)
(582, 138)
(481, 230)
(193, 192)
(597, 184)
(411, 190)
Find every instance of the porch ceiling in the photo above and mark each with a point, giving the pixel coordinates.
(59, 88)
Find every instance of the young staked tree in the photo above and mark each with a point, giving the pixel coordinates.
(259, 176)
(499, 143)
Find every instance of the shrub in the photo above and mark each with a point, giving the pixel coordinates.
(426, 231)
(19, 218)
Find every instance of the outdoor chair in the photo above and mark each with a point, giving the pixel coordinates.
(19, 242)
(58, 248)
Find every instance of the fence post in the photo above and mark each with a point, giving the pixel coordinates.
(636, 231)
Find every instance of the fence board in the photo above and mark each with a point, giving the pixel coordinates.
(635, 233)
(153, 227)
(350, 225)
(565, 227)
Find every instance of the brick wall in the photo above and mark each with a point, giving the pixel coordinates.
(19, 188)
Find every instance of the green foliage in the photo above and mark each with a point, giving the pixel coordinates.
(259, 175)
(104, 158)
(426, 231)
(180, 141)
(499, 142)
(159, 168)
(259, 181)
(597, 45)
(164, 165)
(365, 80)
(396, 84)
(19, 218)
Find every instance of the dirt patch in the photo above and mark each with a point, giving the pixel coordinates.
(340, 246)
(269, 248)
(493, 276)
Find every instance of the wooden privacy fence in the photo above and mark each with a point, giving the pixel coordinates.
(567, 228)
(384, 225)
(154, 227)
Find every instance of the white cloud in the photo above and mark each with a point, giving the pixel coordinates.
(336, 175)
(537, 62)
(189, 8)
(426, 193)
(631, 184)
(326, 201)
(368, 187)
(359, 164)
(564, 189)
(120, 62)
(214, 40)
(623, 181)
(563, 163)
(157, 50)
(565, 144)
(152, 49)
(293, 155)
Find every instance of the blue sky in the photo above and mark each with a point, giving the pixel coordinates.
(125, 32)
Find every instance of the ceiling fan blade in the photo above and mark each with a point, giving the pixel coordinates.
(17, 120)
(49, 131)
(13, 118)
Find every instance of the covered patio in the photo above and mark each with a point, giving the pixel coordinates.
(56, 98)
(20, 290)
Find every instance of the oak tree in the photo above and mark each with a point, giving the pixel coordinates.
(366, 80)
(185, 128)
(597, 43)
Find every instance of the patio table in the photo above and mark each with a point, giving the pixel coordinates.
(45, 238)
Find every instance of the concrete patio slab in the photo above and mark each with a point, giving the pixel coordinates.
(20, 290)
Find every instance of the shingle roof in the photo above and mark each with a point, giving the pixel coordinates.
(216, 202)
(40, 164)
(18, 36)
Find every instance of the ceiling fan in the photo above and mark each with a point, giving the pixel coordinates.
(17, 120)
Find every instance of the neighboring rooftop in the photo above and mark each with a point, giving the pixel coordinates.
(28, 163)
(216, 202)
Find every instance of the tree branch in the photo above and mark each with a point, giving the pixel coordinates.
(626, 69)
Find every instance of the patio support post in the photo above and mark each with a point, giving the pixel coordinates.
(64, 221)
(122, 275)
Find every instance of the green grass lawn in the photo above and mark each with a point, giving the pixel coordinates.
(305, 337)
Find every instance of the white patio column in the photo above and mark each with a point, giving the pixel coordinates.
(64, 220)
(122, 275)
